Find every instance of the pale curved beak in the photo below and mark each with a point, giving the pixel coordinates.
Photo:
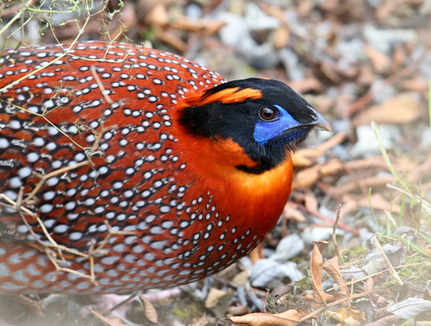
(320, 120)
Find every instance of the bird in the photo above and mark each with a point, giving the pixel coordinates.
(126, 168)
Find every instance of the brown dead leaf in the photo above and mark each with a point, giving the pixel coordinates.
(240, 279)
(316, 271)
(238, 310)
(386, 8)
(332, 267)
(330, 71)
(307, 177)
(369, 284)
(311, 203)
(149, 310)
(307, 156)
(256, 253)
(111, 321)
(366, 75)
(307, 85)
(357, 184)
(170, 38)
(280, 37)
(380, 61)
(202, 321)
(378, 202)
(400, 109)
(385, 321)
(399, 58)
(291, 212)
(214, 297)
(158, 16)
(287, 318)
(416, 84)
(348, 316)
(204, 26)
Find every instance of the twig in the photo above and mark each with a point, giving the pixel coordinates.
(100, 85)
(330, 220)
(122, 302)
(388, 262)
(334, 303)
(334, 232)
(52, 174)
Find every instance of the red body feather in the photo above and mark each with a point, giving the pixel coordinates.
(141, 202)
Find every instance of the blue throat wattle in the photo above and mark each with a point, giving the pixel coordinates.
(267, 130)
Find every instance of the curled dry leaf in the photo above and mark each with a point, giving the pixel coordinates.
(348, 316)
(307, 85)
(307, 177)
(380, 61)
(358, 184)
(377, 201)
(214, 297)
(400, 109)
(307, 156)
(332, 267)
(149, 310)
(204, 26)
(385, 321)
(170, 38)
(316, 271)
(111, 321)
(256, 253)
(311, 203)
(280, 38)
(287, 318)
(158, 16)
(202, 321)
(291, 212)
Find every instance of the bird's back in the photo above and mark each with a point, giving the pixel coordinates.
(88, 159)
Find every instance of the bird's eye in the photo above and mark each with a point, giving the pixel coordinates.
(268, 114)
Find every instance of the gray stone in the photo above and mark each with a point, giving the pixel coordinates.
(266, 270)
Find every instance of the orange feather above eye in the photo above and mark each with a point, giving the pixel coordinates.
(225, 96)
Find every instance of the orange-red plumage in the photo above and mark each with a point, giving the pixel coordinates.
(96, 157)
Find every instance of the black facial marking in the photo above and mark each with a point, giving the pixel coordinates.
(237, 121)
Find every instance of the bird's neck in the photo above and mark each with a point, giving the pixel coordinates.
(213, 164)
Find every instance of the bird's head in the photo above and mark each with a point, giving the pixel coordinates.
(263, 118)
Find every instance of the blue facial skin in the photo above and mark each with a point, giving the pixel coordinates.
(267, 130)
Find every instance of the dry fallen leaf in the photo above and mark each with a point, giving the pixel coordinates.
(307, 177)
(348, 316)
(291, 212)
(256, 253)
(204, 26)
(149, 310)
(111, 321)
(307, 85)
(400, 109)
(376, 201)
(307, 156)
(316, 271)
(158, 16)
(379, 60)
(332, 267)
(280, 37)
(287, 318)
(202, 321)
(214, 297)
(385, 321)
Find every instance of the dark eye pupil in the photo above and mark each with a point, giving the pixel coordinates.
(267, 113)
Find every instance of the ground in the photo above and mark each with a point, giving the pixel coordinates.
(366, 66)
